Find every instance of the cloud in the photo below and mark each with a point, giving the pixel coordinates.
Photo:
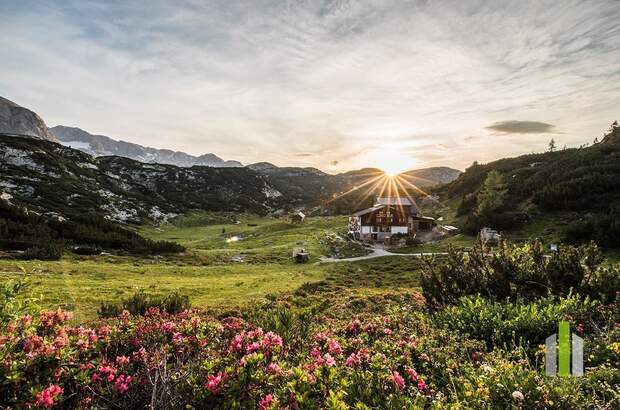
(521, 127)
(267, 80)
(304, 154)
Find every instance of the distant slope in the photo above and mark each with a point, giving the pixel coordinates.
(344, 192)
(15, 119)
(49, 178)
(582, 181)
(100, 145)
(427, 177)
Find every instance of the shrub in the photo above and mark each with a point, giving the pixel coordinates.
(48, 251)
(520, 323)
(514, 271)
(140, 303)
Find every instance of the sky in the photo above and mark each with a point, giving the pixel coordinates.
(336, 85)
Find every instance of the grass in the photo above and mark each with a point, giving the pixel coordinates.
(213, 271)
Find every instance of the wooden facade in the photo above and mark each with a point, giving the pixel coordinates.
(388, 218)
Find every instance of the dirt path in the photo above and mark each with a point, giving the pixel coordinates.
(378, 252)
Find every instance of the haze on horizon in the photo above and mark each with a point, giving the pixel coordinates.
(336, 85)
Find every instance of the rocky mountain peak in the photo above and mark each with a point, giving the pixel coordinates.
(17, 120)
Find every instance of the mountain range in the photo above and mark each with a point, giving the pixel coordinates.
(101, 145)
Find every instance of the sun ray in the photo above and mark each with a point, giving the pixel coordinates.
(355, 188)
(371, 190)
(417, 188)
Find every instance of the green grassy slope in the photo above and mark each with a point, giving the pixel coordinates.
(570, 194)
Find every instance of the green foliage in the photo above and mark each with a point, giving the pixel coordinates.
(45, 238)
(492, 195)
(584, 180)
(13, 300)
(509, 324)
(46, 251)
(140, 303)
(517, 271)
(604, 229)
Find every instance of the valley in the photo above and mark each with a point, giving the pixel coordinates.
(214, 272)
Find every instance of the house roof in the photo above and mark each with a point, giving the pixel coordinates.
(390, 200)
(398, 201)
(367, 210)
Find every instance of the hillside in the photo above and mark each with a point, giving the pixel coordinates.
(48, 177)
(579, 183)
(100, 145)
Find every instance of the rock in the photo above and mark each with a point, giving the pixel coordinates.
(20, 121)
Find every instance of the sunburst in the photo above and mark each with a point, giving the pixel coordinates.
(396, 186)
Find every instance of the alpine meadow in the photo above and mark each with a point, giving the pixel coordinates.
(325, 204)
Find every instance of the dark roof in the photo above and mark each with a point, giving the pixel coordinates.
(390, 200)
(367, 210)
(398, 201)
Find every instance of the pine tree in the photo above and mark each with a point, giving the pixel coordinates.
(492, 194)
(552, 145)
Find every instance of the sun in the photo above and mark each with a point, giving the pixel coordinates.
(391, 161)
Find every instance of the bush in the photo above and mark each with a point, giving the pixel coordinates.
(49, 251)
(506, 325)
(516, 271)
(140, 303)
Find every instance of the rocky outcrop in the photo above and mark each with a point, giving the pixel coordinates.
(17, 120)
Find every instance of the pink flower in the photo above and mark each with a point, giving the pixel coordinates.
(352, 361)
(236, 343)
(47, 396)
(271, 339)
(122, 360)
(26, 320)
(329, 360)
(140, 356)
(106, 371)
(334, 347)
(258, 332)
(424, 357)
(252, 347)
(168, 327)
(353, 327)
(122, 383)
(315, 352)
(273, 368)
(398, 381)
(421, 384)
(413, 375)
(387, 331)
(265, 402)
(214, 383)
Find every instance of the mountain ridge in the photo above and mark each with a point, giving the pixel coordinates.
(102, 145)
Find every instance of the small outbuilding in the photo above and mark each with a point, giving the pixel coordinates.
(298, 217)
(301, 255)
(490, 235)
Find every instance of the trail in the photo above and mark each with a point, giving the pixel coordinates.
(378, 252)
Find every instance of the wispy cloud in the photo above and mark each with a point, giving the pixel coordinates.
(521, 127)
(268, 80)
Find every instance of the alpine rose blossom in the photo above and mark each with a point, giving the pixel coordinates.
(333, 347)
(214, 383)
(265, 402)
(398, 381)
(47, 396)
